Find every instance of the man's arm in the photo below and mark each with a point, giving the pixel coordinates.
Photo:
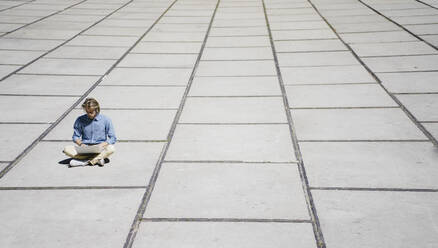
(111, 134)
(77, 132)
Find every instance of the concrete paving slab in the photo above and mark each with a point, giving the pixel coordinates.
(193, 6)
(46, 84)
(27, 33)
(235, 86)
(413, 82)
(139, 97)
(369, 219)
(433, 39)
(298, 25)
(6, 5)
(409, 12)
(398, 64)
(171, 36)
(326, 75)
(76, 18)
(28, 45)
(432, 128)
(332, 96)
(324, 5)
(377, 37)
(366, 27)
(3, 165)
(131, 165)
(398, 5)
(126, 23)
(214, 234)
(404, 20)
(355, 19)
(197, 19)
(423, 29)
(354, 124)
(87, 5)
(235, 41)
(259, 22)
(62, 217)
(168, 27)
(18, 137)
(238, 31)
(276, 5)
(7, 27)
(234, 110)
(159, 60)
(240, 9)
(291, 11)
(113, 31)
(75, 52)
(4, 18)
(423, 107)
(237, 53)
(309, 46)
(236, 68)
(147, 76)
(103, 41)
(24, 12)
(347, 12)
(86, 12)
(59, 25)
(148, 124)
(227, 191)
(294, 18)
(18, 57)
(391, 49)
(240, 4)
(7, 69)
(238, 16)
(262, 143)
(432, 3)
(371, 164)
(316, 59)
(303, 34)
(69, 67)
(193, 12)
(170, 47)
(33, 108)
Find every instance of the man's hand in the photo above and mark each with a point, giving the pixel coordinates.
(79, 142)
(104, 144)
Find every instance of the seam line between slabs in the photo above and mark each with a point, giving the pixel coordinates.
(147, 195)
(319, 238)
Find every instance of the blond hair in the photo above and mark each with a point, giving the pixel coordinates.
(91, 103)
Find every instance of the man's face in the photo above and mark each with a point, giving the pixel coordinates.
(91, 113)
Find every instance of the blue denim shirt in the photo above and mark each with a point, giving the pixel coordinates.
(95, 131)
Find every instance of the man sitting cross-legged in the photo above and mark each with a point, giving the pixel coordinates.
(92, 129)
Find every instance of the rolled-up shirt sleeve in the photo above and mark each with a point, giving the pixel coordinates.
(77, 130)
(111, 133)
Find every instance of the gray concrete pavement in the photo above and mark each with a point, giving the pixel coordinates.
(241, 123)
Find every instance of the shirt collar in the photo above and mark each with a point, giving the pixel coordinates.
(98, 117)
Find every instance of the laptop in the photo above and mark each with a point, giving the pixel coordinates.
(88, 149)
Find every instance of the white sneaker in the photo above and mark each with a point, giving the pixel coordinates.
(75, 162)
(101, 162)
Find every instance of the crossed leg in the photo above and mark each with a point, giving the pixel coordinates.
(93, 158)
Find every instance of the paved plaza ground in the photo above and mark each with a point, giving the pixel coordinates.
(240, 123)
